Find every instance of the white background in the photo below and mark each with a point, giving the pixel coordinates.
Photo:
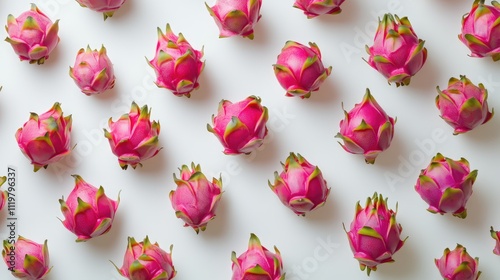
(236, 68)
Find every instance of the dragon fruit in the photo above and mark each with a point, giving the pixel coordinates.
(458, 265)
(314, 8)
(299, 69)
(366, 129)
(32, 35)
(106, 7)
(463, 105)
(446, 185)
(496, 235)
(374, 235)
(88, 211)
(240, 127)
(257, 263)
(195, 200)
(133, 138)
(397, 52)
(481, 30)
(146, 261)
(236, 17)
(300, 186)
(93, 71)
(176, 63)
(45, 139)
(3, 194)
(26, 259)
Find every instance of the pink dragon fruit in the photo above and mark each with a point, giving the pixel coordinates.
(195, 200)
(146, 261)
(236, 17)
(106, 7)
(257, 263)
(240, 127)
(93, 71)
(26, 259)
(3, 194)
(446, 185)
(458, 265)
(32, 35)
(366, 129)
(134, 138)
(299, 69)
(463, 105)
(374, 235)
(45, 139)
(496, 235)
(481, 30)
(300, 186)
(88, 212)
(176, 63)
(397, 52)
(314, 8)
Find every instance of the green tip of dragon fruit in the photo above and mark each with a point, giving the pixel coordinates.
(106, 7)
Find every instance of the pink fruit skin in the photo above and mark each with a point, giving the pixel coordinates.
(176, 63)
(458, 265)
(366, 129)
(463, 105)
(88, 212)
(133, 138)
(240, 127)
(45, 139)
(496, 235)
(32, 35)
(446, 185)
(299, 69)
(236, 17)
(107, 7)
(257, 263)
(3, 194)
(481, 30)
(300, 186)
(93, 72)
(31, 261)
(146, 261)
(314, 8)
(374, 235)
(195, 199)
(397, 53)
